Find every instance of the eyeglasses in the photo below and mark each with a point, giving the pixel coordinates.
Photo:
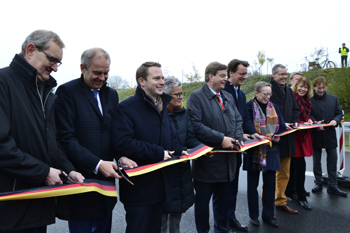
(178, 95)
(283, 74)
(53, 61)
(266, 94)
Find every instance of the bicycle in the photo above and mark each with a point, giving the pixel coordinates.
(317, 65)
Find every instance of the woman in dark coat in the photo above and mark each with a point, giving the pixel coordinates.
(183, 187)
(303, 143)
(268, 121)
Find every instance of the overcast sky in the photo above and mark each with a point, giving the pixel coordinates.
(178, 33)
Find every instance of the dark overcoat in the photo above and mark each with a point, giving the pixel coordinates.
(285, 100)
(141, 133)
(85, 134)
(183, 186)
(327, 108)
(28, 145)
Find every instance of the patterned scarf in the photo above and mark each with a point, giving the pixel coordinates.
(305, 110)
(266, 126)
(158, 102)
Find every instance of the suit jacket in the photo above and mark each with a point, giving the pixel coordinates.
(85, 134)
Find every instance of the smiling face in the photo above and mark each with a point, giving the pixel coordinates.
(281, 76)
(264, 95)
(154, 83)
(97, 74)
(176, 101)
(302, 89)
(320, 89)
(237, 78)
(217, 82)
(40, 61)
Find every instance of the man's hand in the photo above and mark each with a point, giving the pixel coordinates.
(108, 169)
(258, 136)
(168, 154)
(333, 122)
(77, 176)
(126, 162)
(53, 178)
(228, 142)
(246, 136)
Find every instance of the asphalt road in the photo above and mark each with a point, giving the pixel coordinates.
(330, 213)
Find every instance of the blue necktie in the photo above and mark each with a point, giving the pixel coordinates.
(95, 94)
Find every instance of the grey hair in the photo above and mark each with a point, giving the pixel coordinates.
(41, 39)
(89, 54)
(259, 85)
(275, 68)
(170, 83)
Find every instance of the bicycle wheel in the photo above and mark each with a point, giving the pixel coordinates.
(330, 64)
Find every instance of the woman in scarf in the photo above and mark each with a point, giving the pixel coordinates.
(268, 121)
(303, 144)
(183, 187)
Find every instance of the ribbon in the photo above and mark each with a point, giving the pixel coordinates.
(192, 154)
(106, 188)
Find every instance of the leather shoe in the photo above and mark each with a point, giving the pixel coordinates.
(337, 191)
(255, 222)
(287, 209)
(305, 204)
(272, 222)
(317, 188)
(236, 225)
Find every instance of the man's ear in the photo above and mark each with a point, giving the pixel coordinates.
(141, 81)
(30, 51)
(82, 69)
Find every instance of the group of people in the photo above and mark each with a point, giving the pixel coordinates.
(83, 132)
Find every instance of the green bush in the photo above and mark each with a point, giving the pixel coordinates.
(339, 85)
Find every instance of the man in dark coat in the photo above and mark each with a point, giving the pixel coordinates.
(284, 98)
(84, 108)
(325, 108)
(30, 156)
(141, 131)
(217, 123)
(237, 72)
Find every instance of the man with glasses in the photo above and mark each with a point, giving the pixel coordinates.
(237, 72)
(283, 96)
(30, 156)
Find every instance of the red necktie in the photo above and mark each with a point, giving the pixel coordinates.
(220, 102)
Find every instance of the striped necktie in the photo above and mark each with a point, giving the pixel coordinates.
(220, 102)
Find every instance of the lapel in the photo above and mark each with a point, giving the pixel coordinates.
(90, 96)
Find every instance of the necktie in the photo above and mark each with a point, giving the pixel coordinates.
(95, 94)
(220, 102)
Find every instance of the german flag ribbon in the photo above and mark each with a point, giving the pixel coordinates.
(301, 127)
(106, 188)
(192, 154)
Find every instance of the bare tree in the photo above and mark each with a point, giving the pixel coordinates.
(117, 83)
(195, 76)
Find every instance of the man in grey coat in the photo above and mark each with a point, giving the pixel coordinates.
(217, 123)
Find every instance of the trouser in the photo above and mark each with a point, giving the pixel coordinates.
(171, 221)
(297, 178)
(282, 178)
(145, 219)
(269, 185)
(98, 225)
(204, 192)
(32, 230)
(233, 190)
(344, 60)
(331, 166)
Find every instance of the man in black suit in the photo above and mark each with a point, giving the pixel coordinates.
(84, 108)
